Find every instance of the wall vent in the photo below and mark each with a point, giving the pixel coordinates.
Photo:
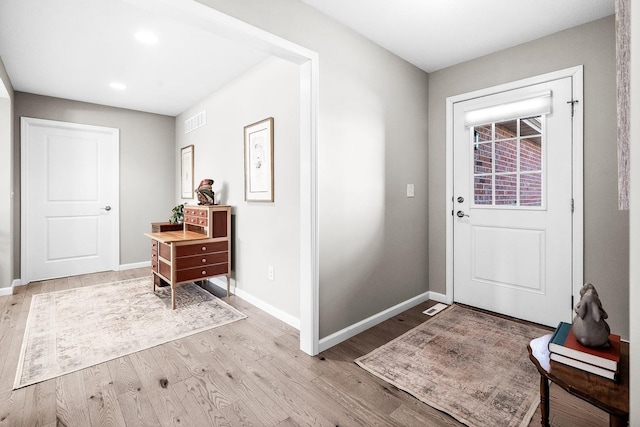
(193, 123)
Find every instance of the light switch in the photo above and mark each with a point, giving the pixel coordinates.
(410, 190)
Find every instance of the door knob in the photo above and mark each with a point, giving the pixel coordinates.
(461, 214)
(107, 208)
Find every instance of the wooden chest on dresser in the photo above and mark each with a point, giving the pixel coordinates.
(201, 250)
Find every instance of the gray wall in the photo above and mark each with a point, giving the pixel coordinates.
(372, 143)
(6, 185)
(265, 234)
(147, 163)
(606, 231)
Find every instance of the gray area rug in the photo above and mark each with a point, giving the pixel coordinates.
(73, 329)
(471, 365)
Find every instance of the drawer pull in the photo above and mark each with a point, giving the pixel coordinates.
(204, 248)
(204, 260)
(204, 272)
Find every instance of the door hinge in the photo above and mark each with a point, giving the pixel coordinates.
(571, 302)
(573, 103)
(573, 205)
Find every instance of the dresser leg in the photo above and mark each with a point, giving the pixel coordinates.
(228, 286)
(544, 400)
(173, 297)
(618, 421)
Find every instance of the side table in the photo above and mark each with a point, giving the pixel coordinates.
(610, 396)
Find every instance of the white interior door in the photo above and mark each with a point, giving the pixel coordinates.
(512, 203)
(69, 199)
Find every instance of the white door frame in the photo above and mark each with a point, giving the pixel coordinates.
(578, 165)
(209, 19)
(25, 177)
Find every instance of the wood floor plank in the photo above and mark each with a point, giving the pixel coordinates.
(165, 402)
(204, 400)
(71, 403)
(104, 408)
(40, 404)
(134, 401)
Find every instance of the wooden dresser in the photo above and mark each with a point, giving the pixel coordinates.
(201, 250)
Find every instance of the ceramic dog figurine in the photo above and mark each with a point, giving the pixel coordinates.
(589, 326)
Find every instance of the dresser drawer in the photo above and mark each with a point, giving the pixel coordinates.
(164, 250)
(164, 269)
(202, 272)
(201, 248)
(196, 220)
(202, 260)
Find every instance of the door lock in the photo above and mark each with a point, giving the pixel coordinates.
(460, 199)
(461, 214)
(107, 208)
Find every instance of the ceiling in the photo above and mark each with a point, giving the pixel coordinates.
(434, 34)
(75, 49)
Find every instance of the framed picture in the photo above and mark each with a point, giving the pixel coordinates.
(258, 161)
(186, 172)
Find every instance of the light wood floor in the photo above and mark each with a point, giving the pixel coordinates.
(248, 373)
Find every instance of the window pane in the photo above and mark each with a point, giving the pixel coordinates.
(507, 156)
(482, 158)
(507, 190)
(531, 126)
(482, 133)
(506, 130)
(482, 194)
(531, 154)
(531, 189)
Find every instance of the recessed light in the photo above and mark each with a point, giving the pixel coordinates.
(146, 37)
(118, 86)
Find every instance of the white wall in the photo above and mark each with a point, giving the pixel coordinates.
(372, 143)
(264, 234)
(6, 179)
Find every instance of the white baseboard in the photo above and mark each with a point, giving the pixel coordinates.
(10, 289)
(437, 297)
(266, 307)
(353, 330)
(135, 265)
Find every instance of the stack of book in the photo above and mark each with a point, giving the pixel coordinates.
(565, 348)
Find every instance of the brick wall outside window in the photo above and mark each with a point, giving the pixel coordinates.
(505, 163)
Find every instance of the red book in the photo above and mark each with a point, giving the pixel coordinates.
(605, 357)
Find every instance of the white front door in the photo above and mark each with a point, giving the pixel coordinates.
(69, 199)
(512, 202)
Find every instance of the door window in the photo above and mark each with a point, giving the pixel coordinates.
(508, 163)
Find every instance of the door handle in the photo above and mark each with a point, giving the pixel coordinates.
(461, 214)
(107, 208)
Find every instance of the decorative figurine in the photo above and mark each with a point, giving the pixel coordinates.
(206, 196)
(589, 326)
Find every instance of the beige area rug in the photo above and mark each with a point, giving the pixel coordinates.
(77, 328)
(471, 365)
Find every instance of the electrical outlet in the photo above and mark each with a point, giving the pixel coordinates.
(270, 272)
